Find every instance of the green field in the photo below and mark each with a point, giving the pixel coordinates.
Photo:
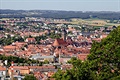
(94, 22)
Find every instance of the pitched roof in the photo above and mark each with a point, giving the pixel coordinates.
(66, 66)
(20, 67)
(40, 67)
(9, 47)
(50, 74)
(59, 42)
(30, 39)
(2, 68)
(38, 75)
(82, 56)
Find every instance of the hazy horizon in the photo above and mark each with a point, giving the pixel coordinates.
(64, 5)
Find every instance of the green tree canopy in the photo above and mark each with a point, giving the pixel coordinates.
(105, 56)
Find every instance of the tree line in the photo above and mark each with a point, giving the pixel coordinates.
(60, 14)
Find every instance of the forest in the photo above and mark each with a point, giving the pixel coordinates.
(59, 14)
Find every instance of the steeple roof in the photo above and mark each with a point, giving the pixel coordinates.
(59, 42)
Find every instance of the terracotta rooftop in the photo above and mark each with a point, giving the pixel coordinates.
(20, 67)
(82, 56)
(10, 47)
(30, 40)
(39, 75)
(2, 68)
(40, 67)
(66, 66)
(59, 42)
(50, 74)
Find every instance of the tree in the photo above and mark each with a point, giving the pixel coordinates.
(30, 77)
(115, 78)
(46, 62)
(54, 35)
(105, 56)
(103, 63)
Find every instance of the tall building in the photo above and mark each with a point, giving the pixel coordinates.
(64, 34)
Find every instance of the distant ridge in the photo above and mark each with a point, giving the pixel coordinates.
(111, 15)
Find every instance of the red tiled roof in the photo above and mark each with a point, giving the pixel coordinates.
(10, 47)
(59, 42)
(38, 75)
(40, 67)
(66, 66)
(82, 56)
(30, 39)
(20, 67)
(2, 68)
(50, 74)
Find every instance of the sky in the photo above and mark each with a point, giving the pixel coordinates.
(68, 5)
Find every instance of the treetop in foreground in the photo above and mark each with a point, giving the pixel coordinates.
(103, 63)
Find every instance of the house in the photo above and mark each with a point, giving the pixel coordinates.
(64, 60)
(50, 58)
(66, 66)
(82, 56)
(11, 48)
(2, 72)
(19, 70)
(44, 68)
(19, 44)
(103, 36)
(39, 75)
(30, 40)
(86, 34)
(50, 74)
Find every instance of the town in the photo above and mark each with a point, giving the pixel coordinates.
(41, 46)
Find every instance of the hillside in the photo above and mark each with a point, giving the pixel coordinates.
(59, 14)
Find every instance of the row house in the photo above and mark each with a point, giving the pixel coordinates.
(44, 68)
(11, 48)
(19, 70)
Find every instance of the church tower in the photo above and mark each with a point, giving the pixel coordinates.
(64, 34)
